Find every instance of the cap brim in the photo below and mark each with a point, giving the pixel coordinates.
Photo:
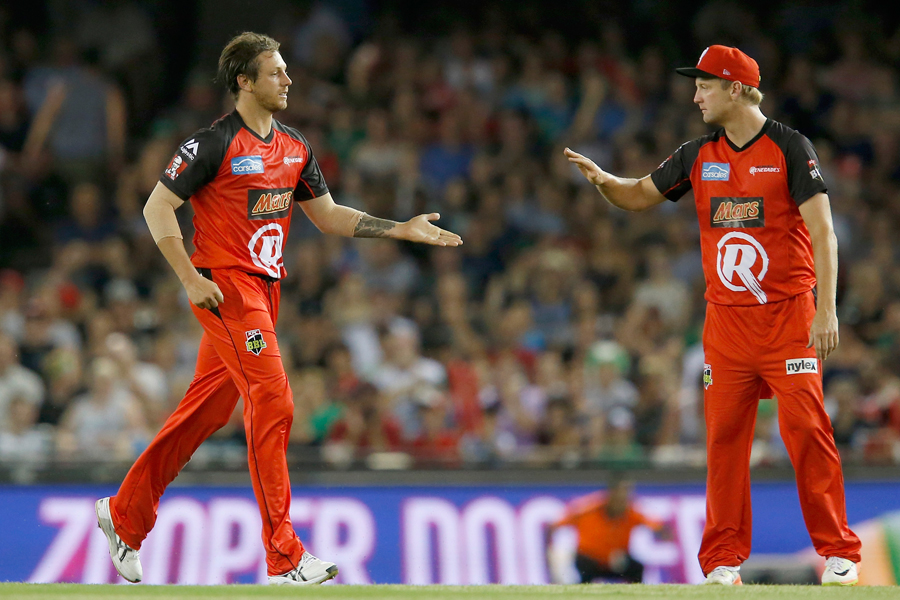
(695, 72)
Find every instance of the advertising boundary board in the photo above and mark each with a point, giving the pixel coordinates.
(408, 534)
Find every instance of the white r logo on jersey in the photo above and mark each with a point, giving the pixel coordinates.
(265, 248)
(742, 259)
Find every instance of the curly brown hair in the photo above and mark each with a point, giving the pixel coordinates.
(241, 57)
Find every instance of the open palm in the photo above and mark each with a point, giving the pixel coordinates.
(419, 229)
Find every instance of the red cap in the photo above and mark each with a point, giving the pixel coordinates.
(725, 63)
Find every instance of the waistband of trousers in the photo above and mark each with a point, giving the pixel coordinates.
(207, 274)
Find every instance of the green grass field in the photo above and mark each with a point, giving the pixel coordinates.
(406, 592)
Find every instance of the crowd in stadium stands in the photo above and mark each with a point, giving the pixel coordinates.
(563, 332)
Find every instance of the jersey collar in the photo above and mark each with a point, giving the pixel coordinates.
(264, 140)
(761, 133)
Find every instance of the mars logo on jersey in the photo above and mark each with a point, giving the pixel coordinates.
(266, 249)
(742, 264)
(736, 212)
(175, 167)
(269, 204)
(255, 341)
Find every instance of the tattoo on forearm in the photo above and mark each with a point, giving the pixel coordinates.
(373, 227)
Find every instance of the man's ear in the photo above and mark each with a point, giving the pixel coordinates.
(736, 88)
(244, 83)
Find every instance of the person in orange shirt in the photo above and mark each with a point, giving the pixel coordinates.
(604, 523)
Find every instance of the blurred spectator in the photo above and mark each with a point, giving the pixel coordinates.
(438, 441)
(16, 381)
(366, 426)
(404, 373)
(145, 381)
(78, 112)
(22, 440)
(558, 438)
(842, 399)
(86, 219)
(315, 412)
(105, 423)
(14, 120)
(606, 386)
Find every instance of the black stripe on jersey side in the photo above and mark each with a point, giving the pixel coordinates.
(251, 445)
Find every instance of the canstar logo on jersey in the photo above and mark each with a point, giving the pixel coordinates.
(765, 169)
(795, 366)
(293, 160)
(269, 204)
(736, 212)
(245, 165)
(716, 171)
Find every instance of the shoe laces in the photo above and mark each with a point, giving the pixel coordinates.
(836, 563)
(306, 559)
(124, 548)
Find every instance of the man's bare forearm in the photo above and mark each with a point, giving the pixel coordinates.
(373, 227)
(825, 256)
(629, 194)
(173, 249)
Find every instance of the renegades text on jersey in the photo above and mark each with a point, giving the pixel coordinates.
(242, 188)
(754, 244)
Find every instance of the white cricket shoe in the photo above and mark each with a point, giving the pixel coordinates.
(126, 559)
(839, 571)
(724, 576)
(310, 571)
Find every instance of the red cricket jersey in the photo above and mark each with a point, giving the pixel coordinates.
(243, 188)
(754, 244)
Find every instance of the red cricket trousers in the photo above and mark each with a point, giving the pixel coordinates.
(751, 352)
(239, 357)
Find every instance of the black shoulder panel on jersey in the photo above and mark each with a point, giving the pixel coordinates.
(803, 172)
(311, 183)
(294, 133)
(673, 177)
(781, 134)
(199, 157)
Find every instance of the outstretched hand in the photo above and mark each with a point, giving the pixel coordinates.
(588, 168)
(419, 229)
